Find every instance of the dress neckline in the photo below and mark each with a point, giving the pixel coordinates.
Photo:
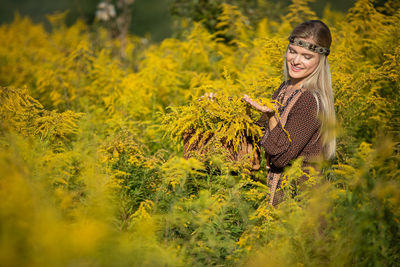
(282, 95)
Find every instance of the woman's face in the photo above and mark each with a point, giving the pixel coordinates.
(301, 61)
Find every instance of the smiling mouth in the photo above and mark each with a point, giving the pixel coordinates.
(295, 69)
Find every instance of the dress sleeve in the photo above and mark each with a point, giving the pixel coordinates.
(263, 120)
(301, 125)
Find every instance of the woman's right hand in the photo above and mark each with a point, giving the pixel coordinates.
(257, 106)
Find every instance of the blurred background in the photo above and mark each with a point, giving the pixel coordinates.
(156, 18)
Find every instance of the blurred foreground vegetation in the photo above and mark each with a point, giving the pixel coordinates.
(91, 162)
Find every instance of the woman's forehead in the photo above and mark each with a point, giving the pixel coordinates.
(302, 50)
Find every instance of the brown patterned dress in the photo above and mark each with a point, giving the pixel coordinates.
(299, 119)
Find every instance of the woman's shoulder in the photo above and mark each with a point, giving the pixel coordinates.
(308, 99)
(308, 95)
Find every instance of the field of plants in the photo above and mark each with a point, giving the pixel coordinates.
(92, 169)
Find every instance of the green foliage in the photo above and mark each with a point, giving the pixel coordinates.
(369, 206)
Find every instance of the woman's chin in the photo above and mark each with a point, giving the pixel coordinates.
(295, 75)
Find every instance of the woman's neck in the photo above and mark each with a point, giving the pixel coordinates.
(296, 83)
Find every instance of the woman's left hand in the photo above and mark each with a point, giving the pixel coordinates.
(257, 106)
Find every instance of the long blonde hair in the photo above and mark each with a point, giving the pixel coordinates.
(319, 82)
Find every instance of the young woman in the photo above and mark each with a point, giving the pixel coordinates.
(305, 106)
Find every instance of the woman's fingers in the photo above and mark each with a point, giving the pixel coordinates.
(250, 101)
(210, 96)
(256, 105)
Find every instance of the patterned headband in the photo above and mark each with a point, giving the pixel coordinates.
(312, 47)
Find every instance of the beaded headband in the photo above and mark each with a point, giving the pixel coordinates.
(312, 47)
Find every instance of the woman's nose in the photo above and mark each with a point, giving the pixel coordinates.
(296, 59)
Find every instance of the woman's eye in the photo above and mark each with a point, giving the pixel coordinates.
(308, 57)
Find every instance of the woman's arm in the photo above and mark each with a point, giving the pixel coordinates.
(257, 106)
(267, 112)
(273, 121)
(301, 125)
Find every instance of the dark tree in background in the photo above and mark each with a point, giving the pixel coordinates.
(207, 11)
(118, 15)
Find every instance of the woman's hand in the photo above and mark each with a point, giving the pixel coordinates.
(257, 106)
(273, 121)
(210, 96)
